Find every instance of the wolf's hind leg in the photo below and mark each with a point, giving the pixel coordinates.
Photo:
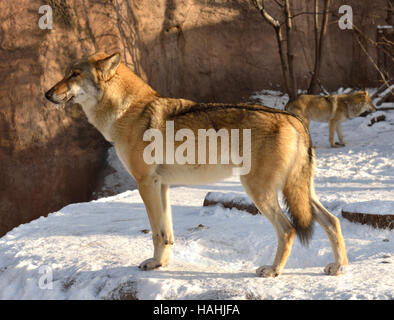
(332, 227)
(267, 203)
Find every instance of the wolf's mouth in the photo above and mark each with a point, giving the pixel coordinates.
(70, 99)
(66, 99)
(56, 99)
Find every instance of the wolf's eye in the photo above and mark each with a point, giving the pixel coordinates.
(74, 74)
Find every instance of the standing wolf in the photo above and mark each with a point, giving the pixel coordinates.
(333, 109)
(123, 107)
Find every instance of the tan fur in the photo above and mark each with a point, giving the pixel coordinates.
(122, 107)
(333, 109)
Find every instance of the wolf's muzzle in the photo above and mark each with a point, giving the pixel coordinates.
(49, 95)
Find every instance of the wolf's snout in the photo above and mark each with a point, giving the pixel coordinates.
(49, 95)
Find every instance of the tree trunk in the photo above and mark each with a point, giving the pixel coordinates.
(316, 33)
(313, 87)
(283, 62)
(288, 75)
(290, 56)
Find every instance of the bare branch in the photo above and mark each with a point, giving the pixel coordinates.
(288, 14)
(384, 97)
(373, 42)
(322, 88)
(308, 12)
(278, 3)
(380, 89)
(374, 64)
(261, 7)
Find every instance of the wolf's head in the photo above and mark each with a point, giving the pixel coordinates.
(360, 103)
(85, 79)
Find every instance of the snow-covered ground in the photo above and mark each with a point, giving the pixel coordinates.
(92, 250)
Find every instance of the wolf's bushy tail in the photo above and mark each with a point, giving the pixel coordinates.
(297, 194)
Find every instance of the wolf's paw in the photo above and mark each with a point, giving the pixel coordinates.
(150, 264)
(267, 271)
(333, 269)
(339, 145)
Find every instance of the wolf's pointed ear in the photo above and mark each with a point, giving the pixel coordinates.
(107, 67)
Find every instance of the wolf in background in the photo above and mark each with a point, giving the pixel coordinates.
(333, 109)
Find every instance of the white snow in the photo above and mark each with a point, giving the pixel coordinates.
(92, 250)
(230, 197)
(270, 98)
(381, 207)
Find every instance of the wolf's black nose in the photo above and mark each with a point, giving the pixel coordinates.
(48, 95)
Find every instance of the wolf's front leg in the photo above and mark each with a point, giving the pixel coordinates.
(332, 125)
(166, 222)
(155, 197)
(342, 142)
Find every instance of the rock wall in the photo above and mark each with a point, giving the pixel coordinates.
(222, 50)
(208, 50)
(48, 157)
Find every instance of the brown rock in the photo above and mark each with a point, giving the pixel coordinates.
(125, 291)
(377, 119)
(198, 228)
(374, 220)
(240, 203)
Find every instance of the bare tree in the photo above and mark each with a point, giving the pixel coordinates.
(319, 42)
(290, 49)
(286, 55)
(286, 52)
(284, 31)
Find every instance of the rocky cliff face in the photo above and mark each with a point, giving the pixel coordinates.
(217, 50)
(222, 50)
(48, 157)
